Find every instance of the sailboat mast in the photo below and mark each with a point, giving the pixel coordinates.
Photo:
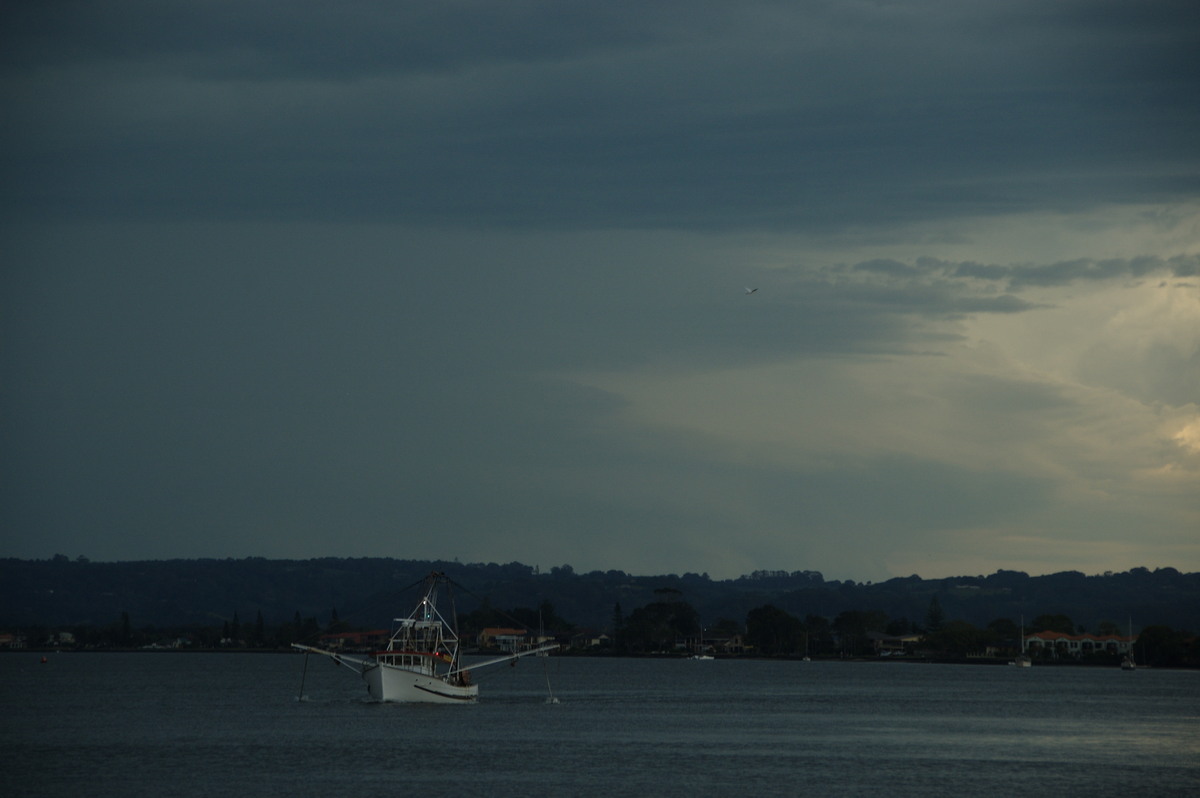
(1129, 620)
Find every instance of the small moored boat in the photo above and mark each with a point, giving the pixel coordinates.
(1128, 663)
(1022, 660)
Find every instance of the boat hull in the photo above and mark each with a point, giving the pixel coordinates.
(401, 685)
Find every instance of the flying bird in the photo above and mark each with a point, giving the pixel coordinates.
(751, 290)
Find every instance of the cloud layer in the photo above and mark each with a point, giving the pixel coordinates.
(468, 280)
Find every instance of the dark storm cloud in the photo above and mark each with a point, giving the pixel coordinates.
(926, 287)
(927, 271)
(678, 115)
(1066, 272)
(430, 279)
(230, 39)
(194, 394)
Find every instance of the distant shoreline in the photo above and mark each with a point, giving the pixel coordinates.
(972, 661)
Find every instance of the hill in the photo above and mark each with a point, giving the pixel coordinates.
(369, 591)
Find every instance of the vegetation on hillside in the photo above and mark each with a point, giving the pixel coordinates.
(267, 604)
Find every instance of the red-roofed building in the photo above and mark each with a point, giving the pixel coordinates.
(511, 640)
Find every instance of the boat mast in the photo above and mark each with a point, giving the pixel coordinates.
(1129, 620)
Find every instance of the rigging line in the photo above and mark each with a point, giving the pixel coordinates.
(386, 595)
(303, 676)
(482, 600)
(550, 699)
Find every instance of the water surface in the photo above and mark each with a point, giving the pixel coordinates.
(231, 725)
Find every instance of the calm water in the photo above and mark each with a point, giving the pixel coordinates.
(230, 725)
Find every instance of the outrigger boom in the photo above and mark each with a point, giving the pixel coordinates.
(476, 665)
(368, 662)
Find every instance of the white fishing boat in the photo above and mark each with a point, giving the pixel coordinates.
(421, 661)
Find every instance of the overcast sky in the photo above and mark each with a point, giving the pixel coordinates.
(468, 280)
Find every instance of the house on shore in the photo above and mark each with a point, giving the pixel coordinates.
(1077, 646)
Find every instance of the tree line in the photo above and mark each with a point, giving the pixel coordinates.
(63, 591)
(667, 625)
(672, 625)
(260, 603)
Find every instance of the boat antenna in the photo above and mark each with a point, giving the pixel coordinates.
(453, 618)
